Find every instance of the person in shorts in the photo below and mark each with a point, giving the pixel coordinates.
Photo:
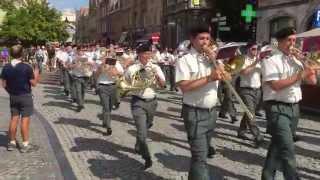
(17, 78)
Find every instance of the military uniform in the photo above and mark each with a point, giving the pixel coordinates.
(282, 112)
(79, 84)
(198, 111)
(107, 91)
(250, 94)
(166, 62)
(227, 105)
(143, 107)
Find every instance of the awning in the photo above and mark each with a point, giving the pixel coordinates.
(312, 33)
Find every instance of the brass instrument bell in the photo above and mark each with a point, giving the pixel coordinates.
(235, 64)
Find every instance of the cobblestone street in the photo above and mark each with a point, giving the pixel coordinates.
(94, 156)
(39, 164)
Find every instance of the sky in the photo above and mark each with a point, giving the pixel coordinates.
(68, 4)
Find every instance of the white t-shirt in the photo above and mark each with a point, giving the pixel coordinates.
(277, 67)
(147, 93)
(252, 79)
(193, 66)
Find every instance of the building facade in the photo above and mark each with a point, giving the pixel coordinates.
(276, 14)
(82, 21)
(128, 21)
(69, 16)
(180, 15)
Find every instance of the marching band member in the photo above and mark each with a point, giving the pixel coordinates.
(81, 72)
(198, 80)
(64, 58)
(166, 60)
(143, 102)
(250, 84)
(282, 75)
(107, 73)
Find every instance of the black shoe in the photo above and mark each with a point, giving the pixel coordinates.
(66, 92)
(137, 149)
(211, 152)
(150, 125)
(148, 163)
(116, 106)
(296, 138)
(258, 142)
(222, 116)
(258, 113)
(233, 120)
(109, 131)
(79, 109)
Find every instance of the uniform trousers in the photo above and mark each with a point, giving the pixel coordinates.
(250, 97)
(143, 113)
(282, 121)
(227, 105)
(199, 124)
(66, 80)
(79, 85)
(107, 94)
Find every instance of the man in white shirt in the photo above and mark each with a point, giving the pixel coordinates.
(250, 84)
(107, 74)
(166, 60)
(143, 102)
(282, 75)
(198, 79)
(80, 70)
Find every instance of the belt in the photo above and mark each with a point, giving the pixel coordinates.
(110, 84)
(199, 108)
(143, 99)
(279, 102)
(250, 88)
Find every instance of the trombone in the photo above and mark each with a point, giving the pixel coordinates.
(232, 67)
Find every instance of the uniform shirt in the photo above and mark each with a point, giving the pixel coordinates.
(166, 58)
(148, 93)
(105, 79)
(156, 57)
(252, 79)
(193, 66)
(63, 57)
(280, 66)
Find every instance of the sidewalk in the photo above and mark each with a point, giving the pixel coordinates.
(41, 164)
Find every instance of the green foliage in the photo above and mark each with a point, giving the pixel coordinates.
(34, 23)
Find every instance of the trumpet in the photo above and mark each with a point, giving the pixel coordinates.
(233, 67)
(311, 60)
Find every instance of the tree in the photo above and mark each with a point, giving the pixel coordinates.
(34, 22)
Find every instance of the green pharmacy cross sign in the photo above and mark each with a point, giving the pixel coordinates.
(248, 13)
